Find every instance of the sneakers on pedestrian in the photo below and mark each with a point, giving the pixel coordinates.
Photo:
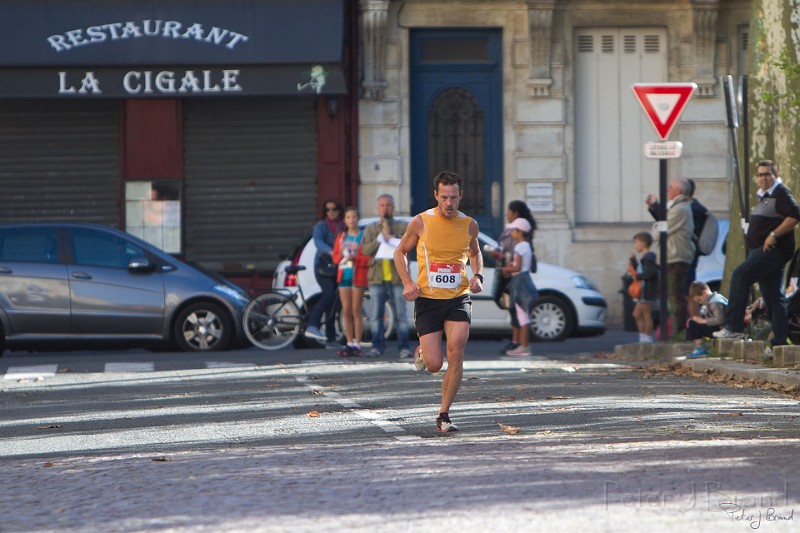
(510, 346)
(519, 350)
(342, 351)
(698, 353)
(354, 350)
(443, 424)
(725, 333)
(419, 362)
(405, 353)
(374, 352)
(313, 332)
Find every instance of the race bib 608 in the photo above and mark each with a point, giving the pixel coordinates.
(444, 275)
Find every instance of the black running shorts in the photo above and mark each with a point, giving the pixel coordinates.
(430, 314)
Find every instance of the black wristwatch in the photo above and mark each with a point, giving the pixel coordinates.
(480, 277)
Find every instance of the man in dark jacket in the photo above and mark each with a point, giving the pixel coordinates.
(770, 244)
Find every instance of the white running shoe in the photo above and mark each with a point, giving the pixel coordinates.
(443, 424)
(725, 333)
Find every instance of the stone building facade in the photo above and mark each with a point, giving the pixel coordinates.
(532, 100)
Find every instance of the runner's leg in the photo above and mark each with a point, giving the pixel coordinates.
(432, 350)
(457, 334)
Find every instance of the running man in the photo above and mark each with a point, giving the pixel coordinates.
(443, 237)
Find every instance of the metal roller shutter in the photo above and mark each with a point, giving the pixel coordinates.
(59, 160)
(251, 180)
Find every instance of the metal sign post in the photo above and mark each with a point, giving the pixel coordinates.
(663, 104)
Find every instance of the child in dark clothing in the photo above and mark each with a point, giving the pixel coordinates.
(711, 317)
(644, 269)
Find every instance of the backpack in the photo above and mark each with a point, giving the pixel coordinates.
(707, 238)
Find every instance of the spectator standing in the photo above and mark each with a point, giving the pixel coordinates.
(380, 241)
(770, 244)
(504, 255)
(523, 291)
(352, 281)
(680, 249)
(699, 215)
(644, 269)
(324, 234)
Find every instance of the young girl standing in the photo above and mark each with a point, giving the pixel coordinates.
(352, 280)
(523, 291)
(644, 269)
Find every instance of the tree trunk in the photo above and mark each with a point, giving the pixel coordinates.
(774, 107)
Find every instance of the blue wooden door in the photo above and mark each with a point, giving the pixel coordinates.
(456, 119)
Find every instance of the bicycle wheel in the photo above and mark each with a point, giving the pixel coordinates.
(272, 321)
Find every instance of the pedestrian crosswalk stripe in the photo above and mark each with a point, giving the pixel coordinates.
(367, 414)
(228, 364)
(129, 367)
(30, 371)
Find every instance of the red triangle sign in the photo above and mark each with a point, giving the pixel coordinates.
(663, 103)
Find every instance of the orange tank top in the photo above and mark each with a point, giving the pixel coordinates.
(442, 255)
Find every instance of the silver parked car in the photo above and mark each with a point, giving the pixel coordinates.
(62, 281)
(569, 303)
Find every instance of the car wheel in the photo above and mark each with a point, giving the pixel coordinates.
(551, 319)
(202, 326)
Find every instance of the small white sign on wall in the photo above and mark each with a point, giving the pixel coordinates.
(540, 197)
(541, 205)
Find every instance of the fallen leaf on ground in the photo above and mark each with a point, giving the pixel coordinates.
(511, 430)
(505, 398)
(313, 414)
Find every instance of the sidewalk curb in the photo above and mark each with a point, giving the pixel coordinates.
(743, 371)
(726, 368)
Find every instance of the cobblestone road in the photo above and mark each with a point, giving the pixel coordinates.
(601, 447)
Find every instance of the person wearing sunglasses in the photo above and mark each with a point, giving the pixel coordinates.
(324, 234)
(770, 244)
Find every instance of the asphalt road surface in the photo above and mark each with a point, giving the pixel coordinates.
(305, 441)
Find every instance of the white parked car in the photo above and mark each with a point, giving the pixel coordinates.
(569, 303)
(711, 267)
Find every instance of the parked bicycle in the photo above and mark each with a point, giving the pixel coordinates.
(279, 317)
(274, 320)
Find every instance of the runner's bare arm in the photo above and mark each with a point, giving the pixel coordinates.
(409, 241)
(475, 258)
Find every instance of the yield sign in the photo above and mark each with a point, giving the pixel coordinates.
(663, 103)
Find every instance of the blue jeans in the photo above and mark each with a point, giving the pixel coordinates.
(378, 295)
(324, 305)
(766, 269)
